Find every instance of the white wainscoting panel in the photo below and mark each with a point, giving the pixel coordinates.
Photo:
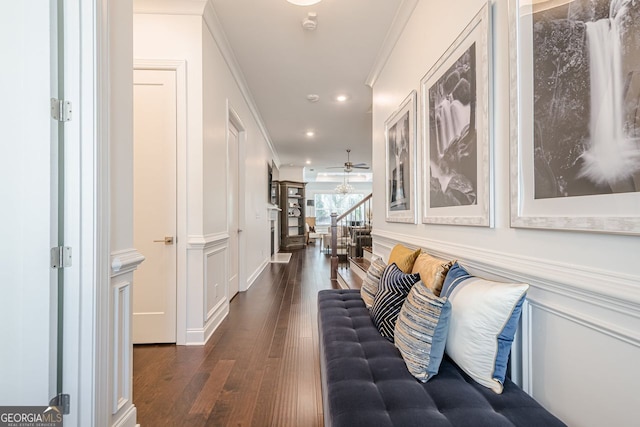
(121, 345)
(585, 374)
(207, 272)
(578, 349)
(123, 264)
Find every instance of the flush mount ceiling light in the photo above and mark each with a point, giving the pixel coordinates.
(304, 2)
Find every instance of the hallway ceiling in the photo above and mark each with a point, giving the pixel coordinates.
(282, 63)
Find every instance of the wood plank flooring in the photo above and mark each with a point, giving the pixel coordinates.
(260, 368)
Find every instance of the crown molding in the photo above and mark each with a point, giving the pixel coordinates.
(215, 28)
(393, 35)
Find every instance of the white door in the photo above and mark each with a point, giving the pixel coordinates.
(154, 205)
(234, 210)
(32, 215)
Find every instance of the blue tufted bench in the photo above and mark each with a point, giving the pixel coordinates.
(366, 383)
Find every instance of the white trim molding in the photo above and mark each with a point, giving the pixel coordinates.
(200, 336)
(621, 293)
(215, 28)
(125, 261)
(252, 278)
(207, 241)
(393, 35)
(121, 346)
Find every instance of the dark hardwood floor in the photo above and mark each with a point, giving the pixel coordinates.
(260, 368)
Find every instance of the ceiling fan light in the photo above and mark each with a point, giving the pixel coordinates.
(304, 2)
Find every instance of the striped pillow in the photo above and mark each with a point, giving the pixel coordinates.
(371, 283)
(421, 331)
(394, 288)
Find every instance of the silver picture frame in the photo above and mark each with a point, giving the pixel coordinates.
(400, 165)
(456, 130)
(575, 148)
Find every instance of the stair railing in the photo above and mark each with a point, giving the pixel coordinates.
(347, 231)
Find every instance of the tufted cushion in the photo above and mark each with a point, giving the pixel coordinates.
(393, 291)
(371, 282)
(366, 383)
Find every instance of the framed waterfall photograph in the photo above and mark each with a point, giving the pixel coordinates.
(400, 138)
(575, 115)
(456, 130)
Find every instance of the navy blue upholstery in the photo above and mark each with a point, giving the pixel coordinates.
(366, 383)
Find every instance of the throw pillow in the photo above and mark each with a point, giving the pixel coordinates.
(394, 288)
(403, 257)
(484, 319)
(432, 271)
(371, 282)
(421, 331)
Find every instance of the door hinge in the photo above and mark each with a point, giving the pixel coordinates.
(63, 401)
(60, 110)
(61, 257)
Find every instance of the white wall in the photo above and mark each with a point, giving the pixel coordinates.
(291, 173)
(213, 93)
(581, 326)
(221, 93)
(124, 256)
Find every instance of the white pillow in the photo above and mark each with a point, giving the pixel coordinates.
(484, 317)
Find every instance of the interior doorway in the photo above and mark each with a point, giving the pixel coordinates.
(235, 138)
(155, 205)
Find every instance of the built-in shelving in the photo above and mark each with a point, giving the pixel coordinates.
(292, 224)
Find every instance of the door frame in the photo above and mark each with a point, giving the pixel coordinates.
(233, 119)
(180, 68)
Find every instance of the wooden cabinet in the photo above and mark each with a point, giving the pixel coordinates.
(292, 224)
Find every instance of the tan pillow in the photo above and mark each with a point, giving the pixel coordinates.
(432, 271)
(403, 257)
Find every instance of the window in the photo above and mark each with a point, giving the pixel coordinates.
(325, 204)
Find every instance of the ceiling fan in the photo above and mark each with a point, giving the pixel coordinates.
(348, 165)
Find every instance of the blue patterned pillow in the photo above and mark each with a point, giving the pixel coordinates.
(484, 319)
(421, 331)
(394, 288)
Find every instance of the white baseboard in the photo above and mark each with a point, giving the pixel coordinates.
(200, 336)
(252, 278)
(127, 419)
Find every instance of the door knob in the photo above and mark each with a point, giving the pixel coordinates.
(168, 240)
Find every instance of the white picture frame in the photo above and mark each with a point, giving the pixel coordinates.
(456, 130)
(555, 179)
(400, 164)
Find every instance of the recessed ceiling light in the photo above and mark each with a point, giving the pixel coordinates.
(341, 98)
(310, 133)
(304, 2)
(308, 162)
